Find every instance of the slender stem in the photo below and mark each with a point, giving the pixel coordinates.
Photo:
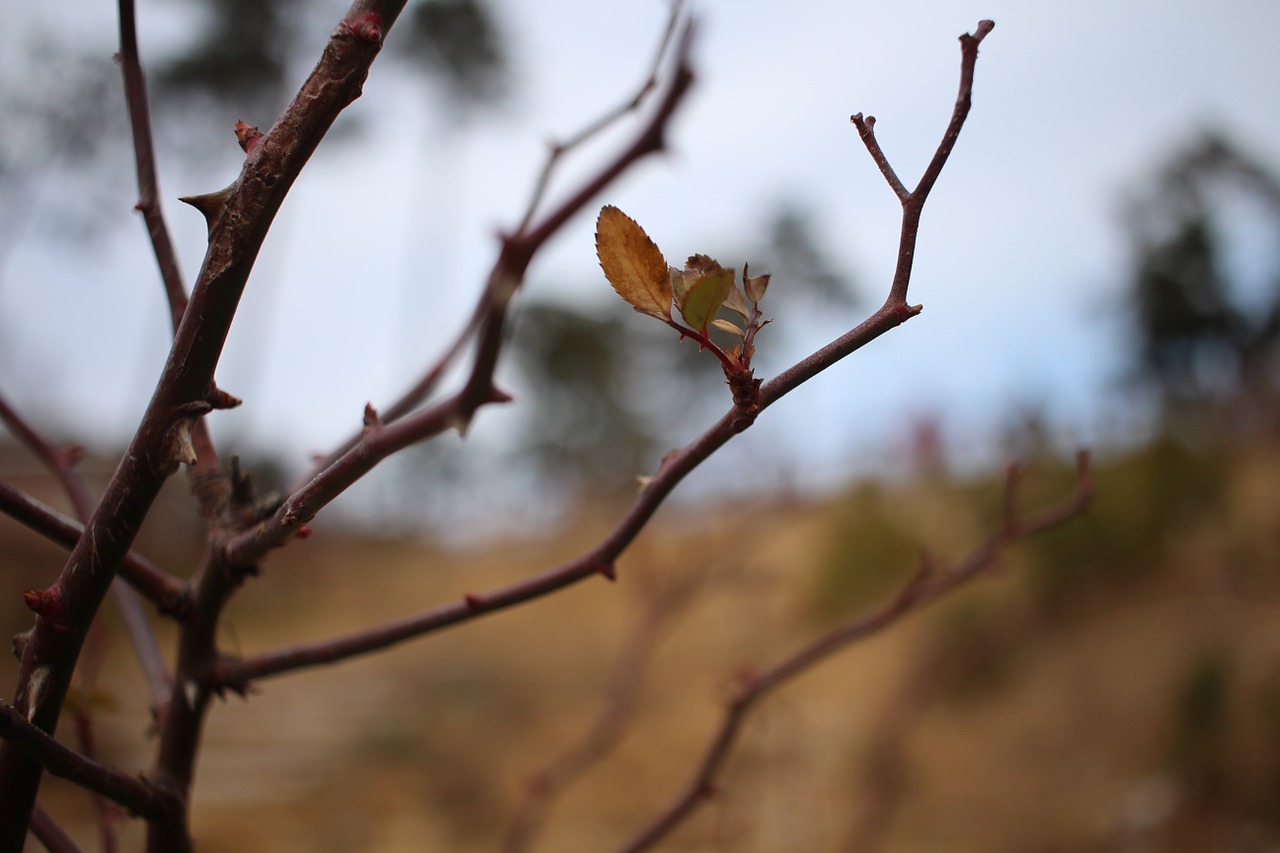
(159, 446)
(135, 91)
(139, 796)
(384, 439)
(929, 583)
(48, 833)
(170, 596)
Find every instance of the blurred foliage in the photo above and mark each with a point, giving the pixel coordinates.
(459, 43)
(1144, 504)
(61, 93)
(868, 554)
(1201, 714)
(1205, 302)
(240, 56)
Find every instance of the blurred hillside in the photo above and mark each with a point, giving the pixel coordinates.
(1116, 686)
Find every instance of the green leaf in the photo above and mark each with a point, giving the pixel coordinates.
(706, 285)
(633, 263)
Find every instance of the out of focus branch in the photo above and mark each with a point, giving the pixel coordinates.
(929, 583)
(621, 694)
(600, 560)
(137, 795)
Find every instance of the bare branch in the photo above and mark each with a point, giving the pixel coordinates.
(423, 388)
(621, 695)
(170, 596)
(145, 646)
(600, 560)
(139, 796)
(48, 833)
(158, 447)
(456, 412)
(135, 94)
(930, 583)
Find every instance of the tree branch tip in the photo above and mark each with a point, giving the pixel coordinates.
(985, 26)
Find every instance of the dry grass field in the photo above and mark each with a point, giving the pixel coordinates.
(1113, 687)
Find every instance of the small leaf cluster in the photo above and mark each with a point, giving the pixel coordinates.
(635, 267)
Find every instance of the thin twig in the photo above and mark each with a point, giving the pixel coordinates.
(930, 583)
(48, 833)
(423, 388)
(139, 796)
(236, 674)
(169, 595)
(621, 695)
(135, 94)
(380, 440)
(161, 443)
(59, 464)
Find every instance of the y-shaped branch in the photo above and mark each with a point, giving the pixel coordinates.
(381, 439)
(235, 674)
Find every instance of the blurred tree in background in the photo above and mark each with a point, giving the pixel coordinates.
(1205, 280)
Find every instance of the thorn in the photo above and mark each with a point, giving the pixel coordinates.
(371, 418)
(498, 396)
(473, 602)
(219, 399)
(608, 570)
(210, 205)
(248, 136)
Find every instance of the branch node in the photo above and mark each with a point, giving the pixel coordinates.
(367, 28)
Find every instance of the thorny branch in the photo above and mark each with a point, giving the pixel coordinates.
(137, 795)
(236, 674)
(931, 582)
(185, 392)
(173, 432)
(381, 439)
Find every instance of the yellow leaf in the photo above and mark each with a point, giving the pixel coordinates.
(633, 264)
(726, 326)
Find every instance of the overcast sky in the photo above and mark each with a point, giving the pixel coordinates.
(383, 244)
